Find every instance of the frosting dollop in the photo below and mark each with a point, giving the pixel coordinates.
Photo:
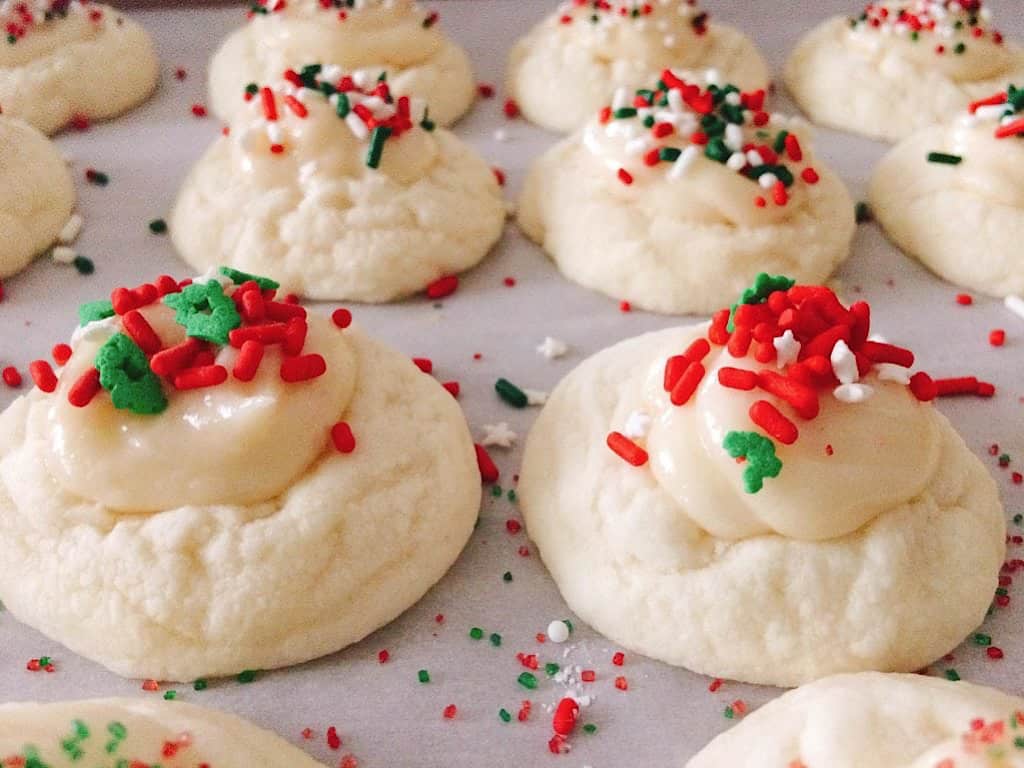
(319, 124)
(786, 418)
(707, 154)
(637, 31)
(949, 36)
(225, 431)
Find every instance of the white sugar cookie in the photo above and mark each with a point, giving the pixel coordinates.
(72, 61)
(190, 515)
(900, 66)
(397, 36)
(953, 196)
(857, 531)
(304, 190)
(139, 732)
(676, 204)
(561, 73)
(870, 720)
(36, 194)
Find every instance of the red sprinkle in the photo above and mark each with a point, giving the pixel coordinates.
(11, 377)
(770, 419)
(333, 739)
(486, 90)
(588, 676)
(425, 364)
(564, 721)
(964, 299)
(625, 306)
(513, 526)
(60, 353)
(444, 286)
(452, 387)
(994, 653)
(511, 109)
(488, 469)
(141, 332)
(150, 685)
(43, 376)
(737, 378)
(618, 659)
(626, 449)
(961, 385)
(687, 384)
(200, 377)
(303, 368)
(621, 683)
(170, 361)
(248, 360)
(715, 685)
(997, 337)
(625, 176)
(199, 110)
(341, 318)
(383, 656)
(450, 711)
(85, 388)
(923, 387)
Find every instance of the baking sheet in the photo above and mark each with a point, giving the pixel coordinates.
(386, 717)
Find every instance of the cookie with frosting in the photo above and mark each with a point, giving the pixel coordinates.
(870, 719)
(37, 195)
(397, 36)
(67, 61)
(137, 732)
(771, 497)
(339, 188)
(561, 73)
(216, 480)
(901, 65)
(953, 195)
(673, 197)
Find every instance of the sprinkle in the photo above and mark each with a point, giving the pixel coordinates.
(85, 388)
(862, 213)
(98, 178)
(488, 469)
(997, 337)
(495, 639)
(498, 434)
(342, 438)
(303, 368)
(42, 375)
(621, 683)
(626, 449)
(964, 299)
(444, 286)
(625, 176)
(150, 685)
(452, 387)
(944, 159)
(201, 377)
(558, 631)
(71, 229)
(158, 226)
(528, 680)
(551, 348)
(198, 110)
(564, 720)
(450, 711)
(510, 393)
(511, 109)
(83, 265)
(11, 377)
(771, 420)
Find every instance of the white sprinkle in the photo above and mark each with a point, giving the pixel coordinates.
(767, 180)
(558, 632)
(1015, 304)
(69, 233)
(734, 137)
(357, 126)
(535, 396)
(754, 158)
(331, 72)
(675, 100)
(639, 145)
(844, 363)
(787, 349)
(274, 133)
(62, 254)
(736, 162)
(683, 163)
(552, 348)
(713, 77)
(638, 424)
(307, 171)
(853, 393)
(620, 99)
(990, 112)
(499, 434)
(733, 98)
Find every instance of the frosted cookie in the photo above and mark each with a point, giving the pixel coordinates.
(597, 46)
(396, 36)
(871, 720)
(675, 197)
(339, 190)
(769, 498)
(900, 66)
(136, 733)
(953, 195)
(240, 485)
(37, 195)
(67, 61)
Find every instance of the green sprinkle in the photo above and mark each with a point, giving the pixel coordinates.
(476, 633)
(510, 393)
(507, 576)
(200, 684)
(569, 625)
(158, 226)
(728, 713)
(246, 676)
(551, 669)
(512, 495)
(423, 675)
(99, 178)
(170, 695)
(1001, 591)
(717, 151)
(980, 639)
(959, 48)
(527, 680)
(343, 106)
(495, 639)
(590, 728)
(759, 453)
(496, 491)
(669, 154)
(117, 730)
(1018, 741)
(862, 212)
(944, 158)
(780, 141)
(915, 36)
(92, 311)
(649, 121)
(125, 374)
(204, 311)
(952, 675)
(44, 661)
(624, 112)
(426, 123)
(238, 277)
(379, 135)
(252, 89)
(84, 265)
(1018, 518)
(504, 715)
